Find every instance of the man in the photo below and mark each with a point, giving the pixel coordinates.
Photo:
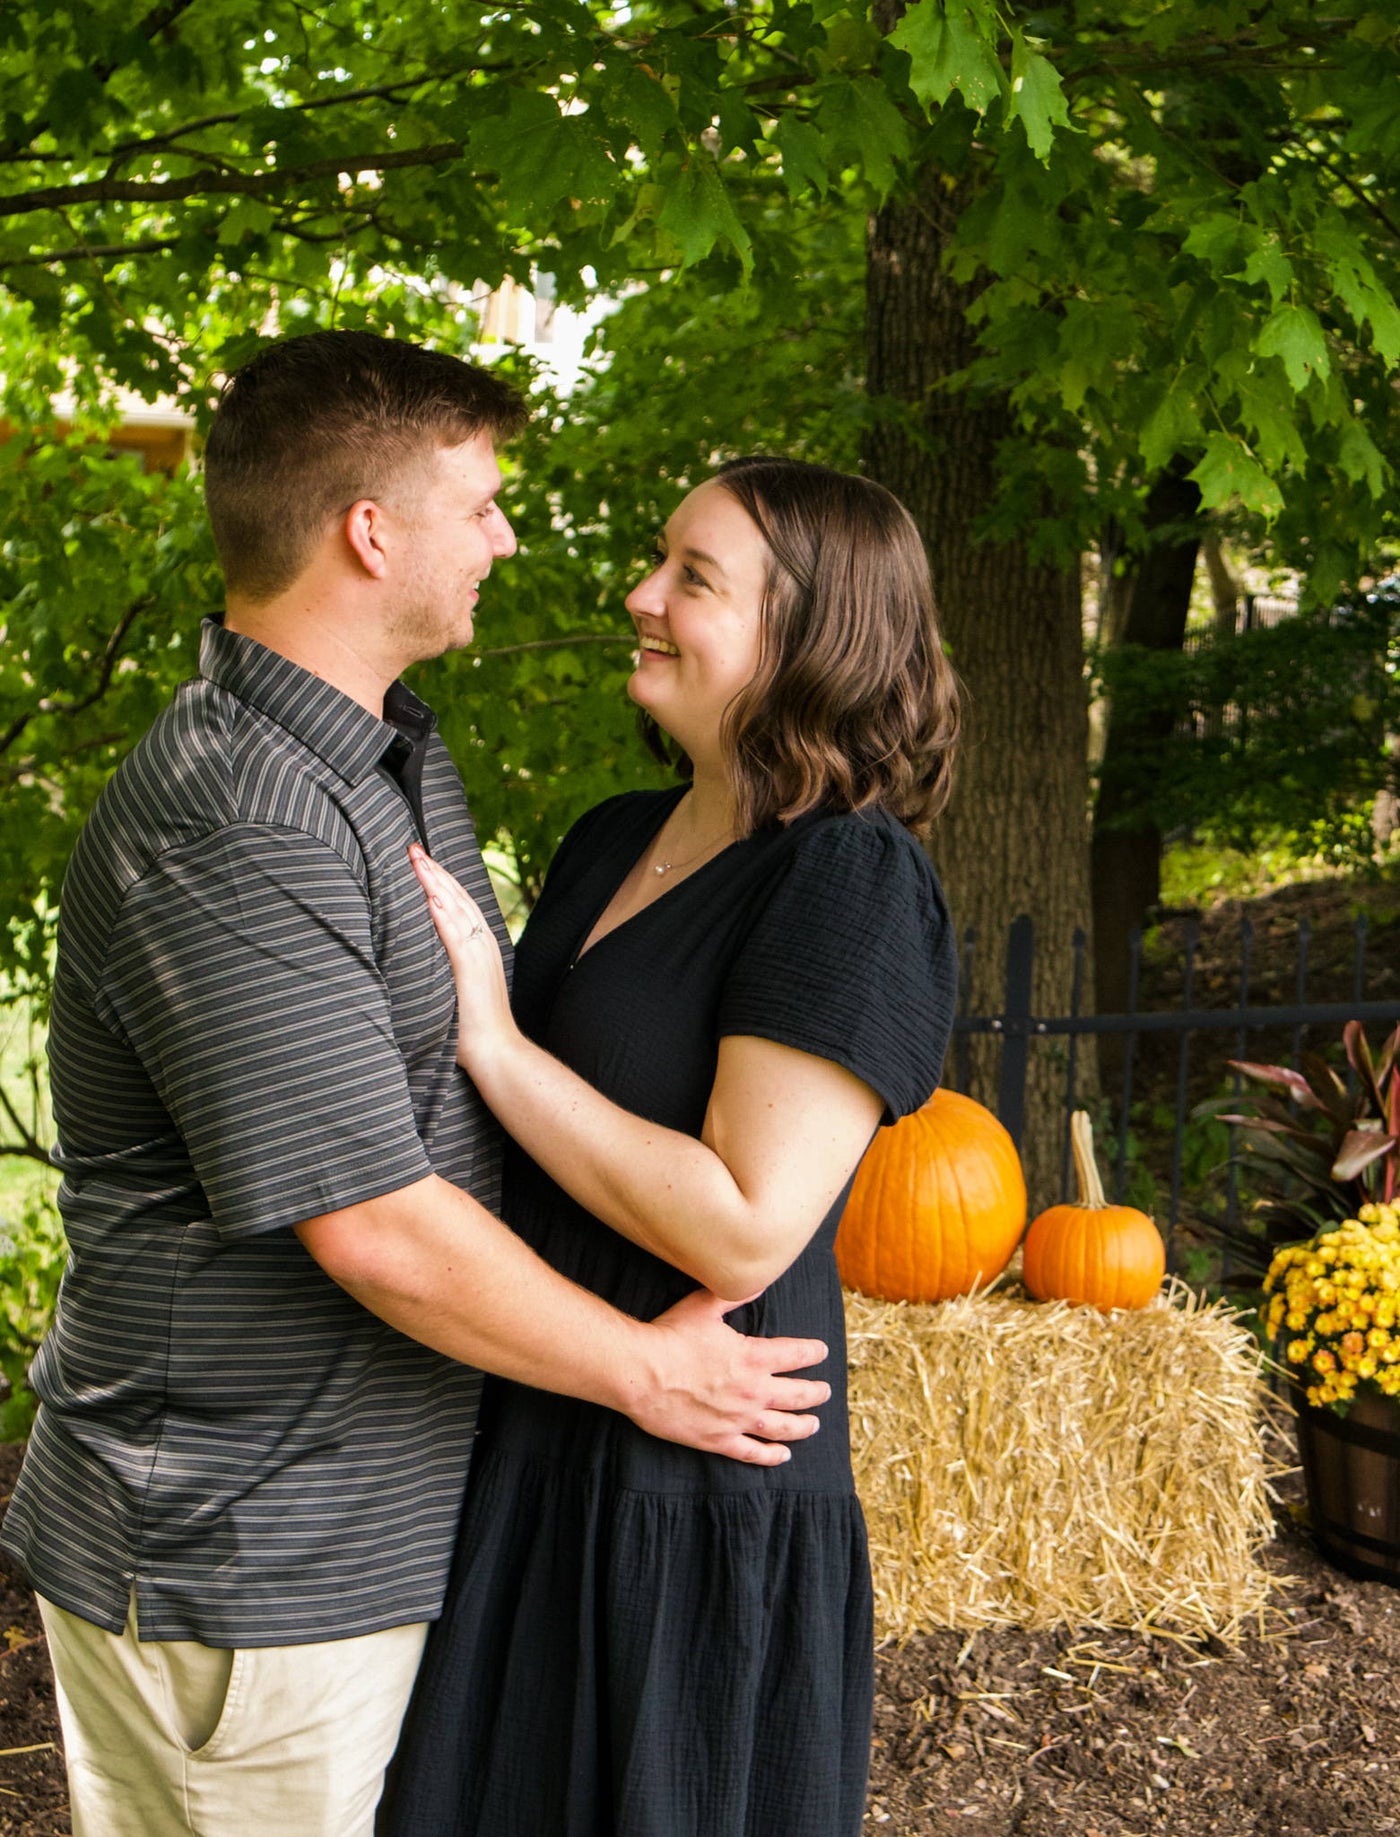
(259, 1393)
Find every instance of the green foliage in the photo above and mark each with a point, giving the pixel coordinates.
(104, 573)
(1283, 735)
(1206, 267)
(1197, 873)
(1181, 219)
(173, 186)
(32, 1254)
(1178, 221)
(225, 155)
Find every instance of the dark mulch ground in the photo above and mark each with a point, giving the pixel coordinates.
(33, 1800)
(1296, 1734)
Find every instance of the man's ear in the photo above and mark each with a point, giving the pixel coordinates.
(364, 529)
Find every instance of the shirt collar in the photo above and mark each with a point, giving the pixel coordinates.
(335, 727)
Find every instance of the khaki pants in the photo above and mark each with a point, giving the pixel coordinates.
(174, 1739)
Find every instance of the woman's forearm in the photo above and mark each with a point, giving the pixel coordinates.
(664, 1190)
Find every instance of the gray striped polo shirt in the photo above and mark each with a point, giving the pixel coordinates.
(253, 1023)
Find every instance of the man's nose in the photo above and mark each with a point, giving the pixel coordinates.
(503, 543)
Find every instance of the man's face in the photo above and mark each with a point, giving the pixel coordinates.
(451, 531)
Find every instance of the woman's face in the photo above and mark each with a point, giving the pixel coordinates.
(699, 618)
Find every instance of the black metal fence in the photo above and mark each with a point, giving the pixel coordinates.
(1018, 1028)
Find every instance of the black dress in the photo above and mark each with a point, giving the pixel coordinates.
(640, 1640)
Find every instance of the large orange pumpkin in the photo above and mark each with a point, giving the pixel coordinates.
(1107, 1256)
(938, 1205)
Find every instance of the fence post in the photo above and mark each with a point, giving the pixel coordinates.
(1016, 1027)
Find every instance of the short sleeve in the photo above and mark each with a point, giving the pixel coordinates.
(852, 958)
(241, 972)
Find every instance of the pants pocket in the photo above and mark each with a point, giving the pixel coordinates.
(198, 1684)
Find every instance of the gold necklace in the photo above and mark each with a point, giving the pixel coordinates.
(669, 867)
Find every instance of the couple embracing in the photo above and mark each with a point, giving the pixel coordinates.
(321, 1169)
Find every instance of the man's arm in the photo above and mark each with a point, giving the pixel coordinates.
(436, 1265)
(242, 971)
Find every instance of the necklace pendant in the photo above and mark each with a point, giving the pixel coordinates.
(662, 867)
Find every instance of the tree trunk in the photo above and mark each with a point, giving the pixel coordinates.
(1127, 850)
(1225, 589)
(1014, 838)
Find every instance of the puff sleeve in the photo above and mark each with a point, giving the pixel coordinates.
(852, 958)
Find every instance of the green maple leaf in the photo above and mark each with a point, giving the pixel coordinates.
(640, 101)
(804, 151)
(1361, 459)
(859, 116)
(1359, 288)
(1272, 428)
(948, 49)
(1215, 238)
(1229, 472)
(1038, 99)
(1270, 265)
(1293, 334)
(699, 212)
(1173, 425)
(542, 156)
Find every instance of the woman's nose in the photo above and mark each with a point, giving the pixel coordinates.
(646, 595)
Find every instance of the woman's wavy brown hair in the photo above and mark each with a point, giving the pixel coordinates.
(853, 702)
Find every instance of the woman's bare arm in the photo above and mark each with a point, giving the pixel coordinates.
(782, 1133)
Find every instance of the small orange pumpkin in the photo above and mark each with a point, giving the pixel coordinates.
(938, 1205)
(1107, 1256)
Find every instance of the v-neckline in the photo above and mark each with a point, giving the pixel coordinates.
(590, 943)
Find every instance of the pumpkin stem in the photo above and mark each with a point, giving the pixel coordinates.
(1081, 1141)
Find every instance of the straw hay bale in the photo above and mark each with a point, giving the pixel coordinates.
(1035, 1464)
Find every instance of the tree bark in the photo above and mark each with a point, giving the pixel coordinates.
(1127, 849)
(1015, 837)
(1225, 589)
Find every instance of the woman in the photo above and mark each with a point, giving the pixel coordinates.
(723, 991)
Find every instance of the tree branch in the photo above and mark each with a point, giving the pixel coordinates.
(1359, 192)
(241, 184)
(157, 245)
(150, 27)
(11, 775)
(388, 90)
(111, 655)
(99, 251)
(29, 1144)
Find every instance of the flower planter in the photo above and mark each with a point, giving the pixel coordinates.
(1351, 1465)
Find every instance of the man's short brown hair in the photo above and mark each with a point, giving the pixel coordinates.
(313, 424)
